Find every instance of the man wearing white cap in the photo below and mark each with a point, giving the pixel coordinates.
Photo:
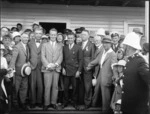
(16, 37)
(136, 78)
(101, 32)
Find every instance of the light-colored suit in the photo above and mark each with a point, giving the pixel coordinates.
(35, 80)
(19, 58)
(50, 55)
(105, 77)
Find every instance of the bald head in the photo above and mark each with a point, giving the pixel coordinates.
(97, 40)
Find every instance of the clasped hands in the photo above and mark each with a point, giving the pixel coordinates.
(52, 66)
(77, 75)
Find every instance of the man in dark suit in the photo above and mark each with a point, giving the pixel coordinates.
(135, 92)
(88, 55)
(115, 38)
(98, 52)
(72, 67)
(19, 58)
(35, 80)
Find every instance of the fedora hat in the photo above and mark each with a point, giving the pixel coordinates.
(25, 70)
(107, 40)
(133, 40)
(137, 30)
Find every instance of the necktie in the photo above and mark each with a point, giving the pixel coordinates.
(70, 46)
(27, 51)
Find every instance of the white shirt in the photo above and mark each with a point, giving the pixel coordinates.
(53, 44)
(3, 62)
(37, 44)
(71, 45)
(104, 56)
(24, 45)
(84, 44)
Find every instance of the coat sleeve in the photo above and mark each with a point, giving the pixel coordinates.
(14, 57)
(3, 72)
(43, 55)
(114, 60)
(59, 60)
(143, 71)
(80, 59)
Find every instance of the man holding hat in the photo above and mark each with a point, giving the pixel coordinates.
(106, 60)
(135, 92)
(20, 62)
(36, 80)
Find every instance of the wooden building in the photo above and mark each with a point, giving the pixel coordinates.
(112, 18)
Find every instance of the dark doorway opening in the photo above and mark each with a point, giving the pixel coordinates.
(48, 25)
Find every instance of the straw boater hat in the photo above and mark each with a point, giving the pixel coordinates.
(120, 63)
(15, 34)
(25, 70)
(101, 31)
(133, 40)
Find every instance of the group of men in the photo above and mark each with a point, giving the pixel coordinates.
(76, 63)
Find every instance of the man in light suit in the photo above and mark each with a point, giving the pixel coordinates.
(35, 80)
(52, 57)
(107, 58)
(88, 49)
(19, 58)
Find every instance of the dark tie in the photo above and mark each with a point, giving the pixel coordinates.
(27, 51)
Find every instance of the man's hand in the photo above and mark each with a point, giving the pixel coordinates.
(77, 74)
(63, 71)
(88, 68)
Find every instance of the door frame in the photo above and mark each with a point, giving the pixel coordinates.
(54, 20)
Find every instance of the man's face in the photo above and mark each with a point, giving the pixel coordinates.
(84, 36)
(115, 39)
(78, 40)
(7, 42)
(38, 34)
(53, 35)
(32, 36)
(97, 40)
(25, 38)
(59, 38)
(17, 39)
(106, 46)
(19, 27)
(71, 39)
(4, 31)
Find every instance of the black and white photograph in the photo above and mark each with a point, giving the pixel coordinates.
(74, 57)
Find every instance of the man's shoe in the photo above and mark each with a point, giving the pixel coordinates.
(32, 106)
(87, 106)
(24, 107)
(40, 105)
(55, 106)
(76, 106)
(45, 108)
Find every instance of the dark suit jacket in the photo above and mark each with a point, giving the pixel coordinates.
(35, 55)
(88, 54)
(135, 89)
(19, 58)
(116, 48)
(72, 59)
(98, 53)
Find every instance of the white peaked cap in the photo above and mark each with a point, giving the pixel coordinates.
(133, 40)
(101, 31)
(14, 34)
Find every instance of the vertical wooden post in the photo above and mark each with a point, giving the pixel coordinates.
(147, 20)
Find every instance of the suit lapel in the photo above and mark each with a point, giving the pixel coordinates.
(107, 56)
(86, 46)
(23, 48)
(33, 45)
(39, 48)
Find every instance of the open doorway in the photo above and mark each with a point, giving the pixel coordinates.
(48, 25)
